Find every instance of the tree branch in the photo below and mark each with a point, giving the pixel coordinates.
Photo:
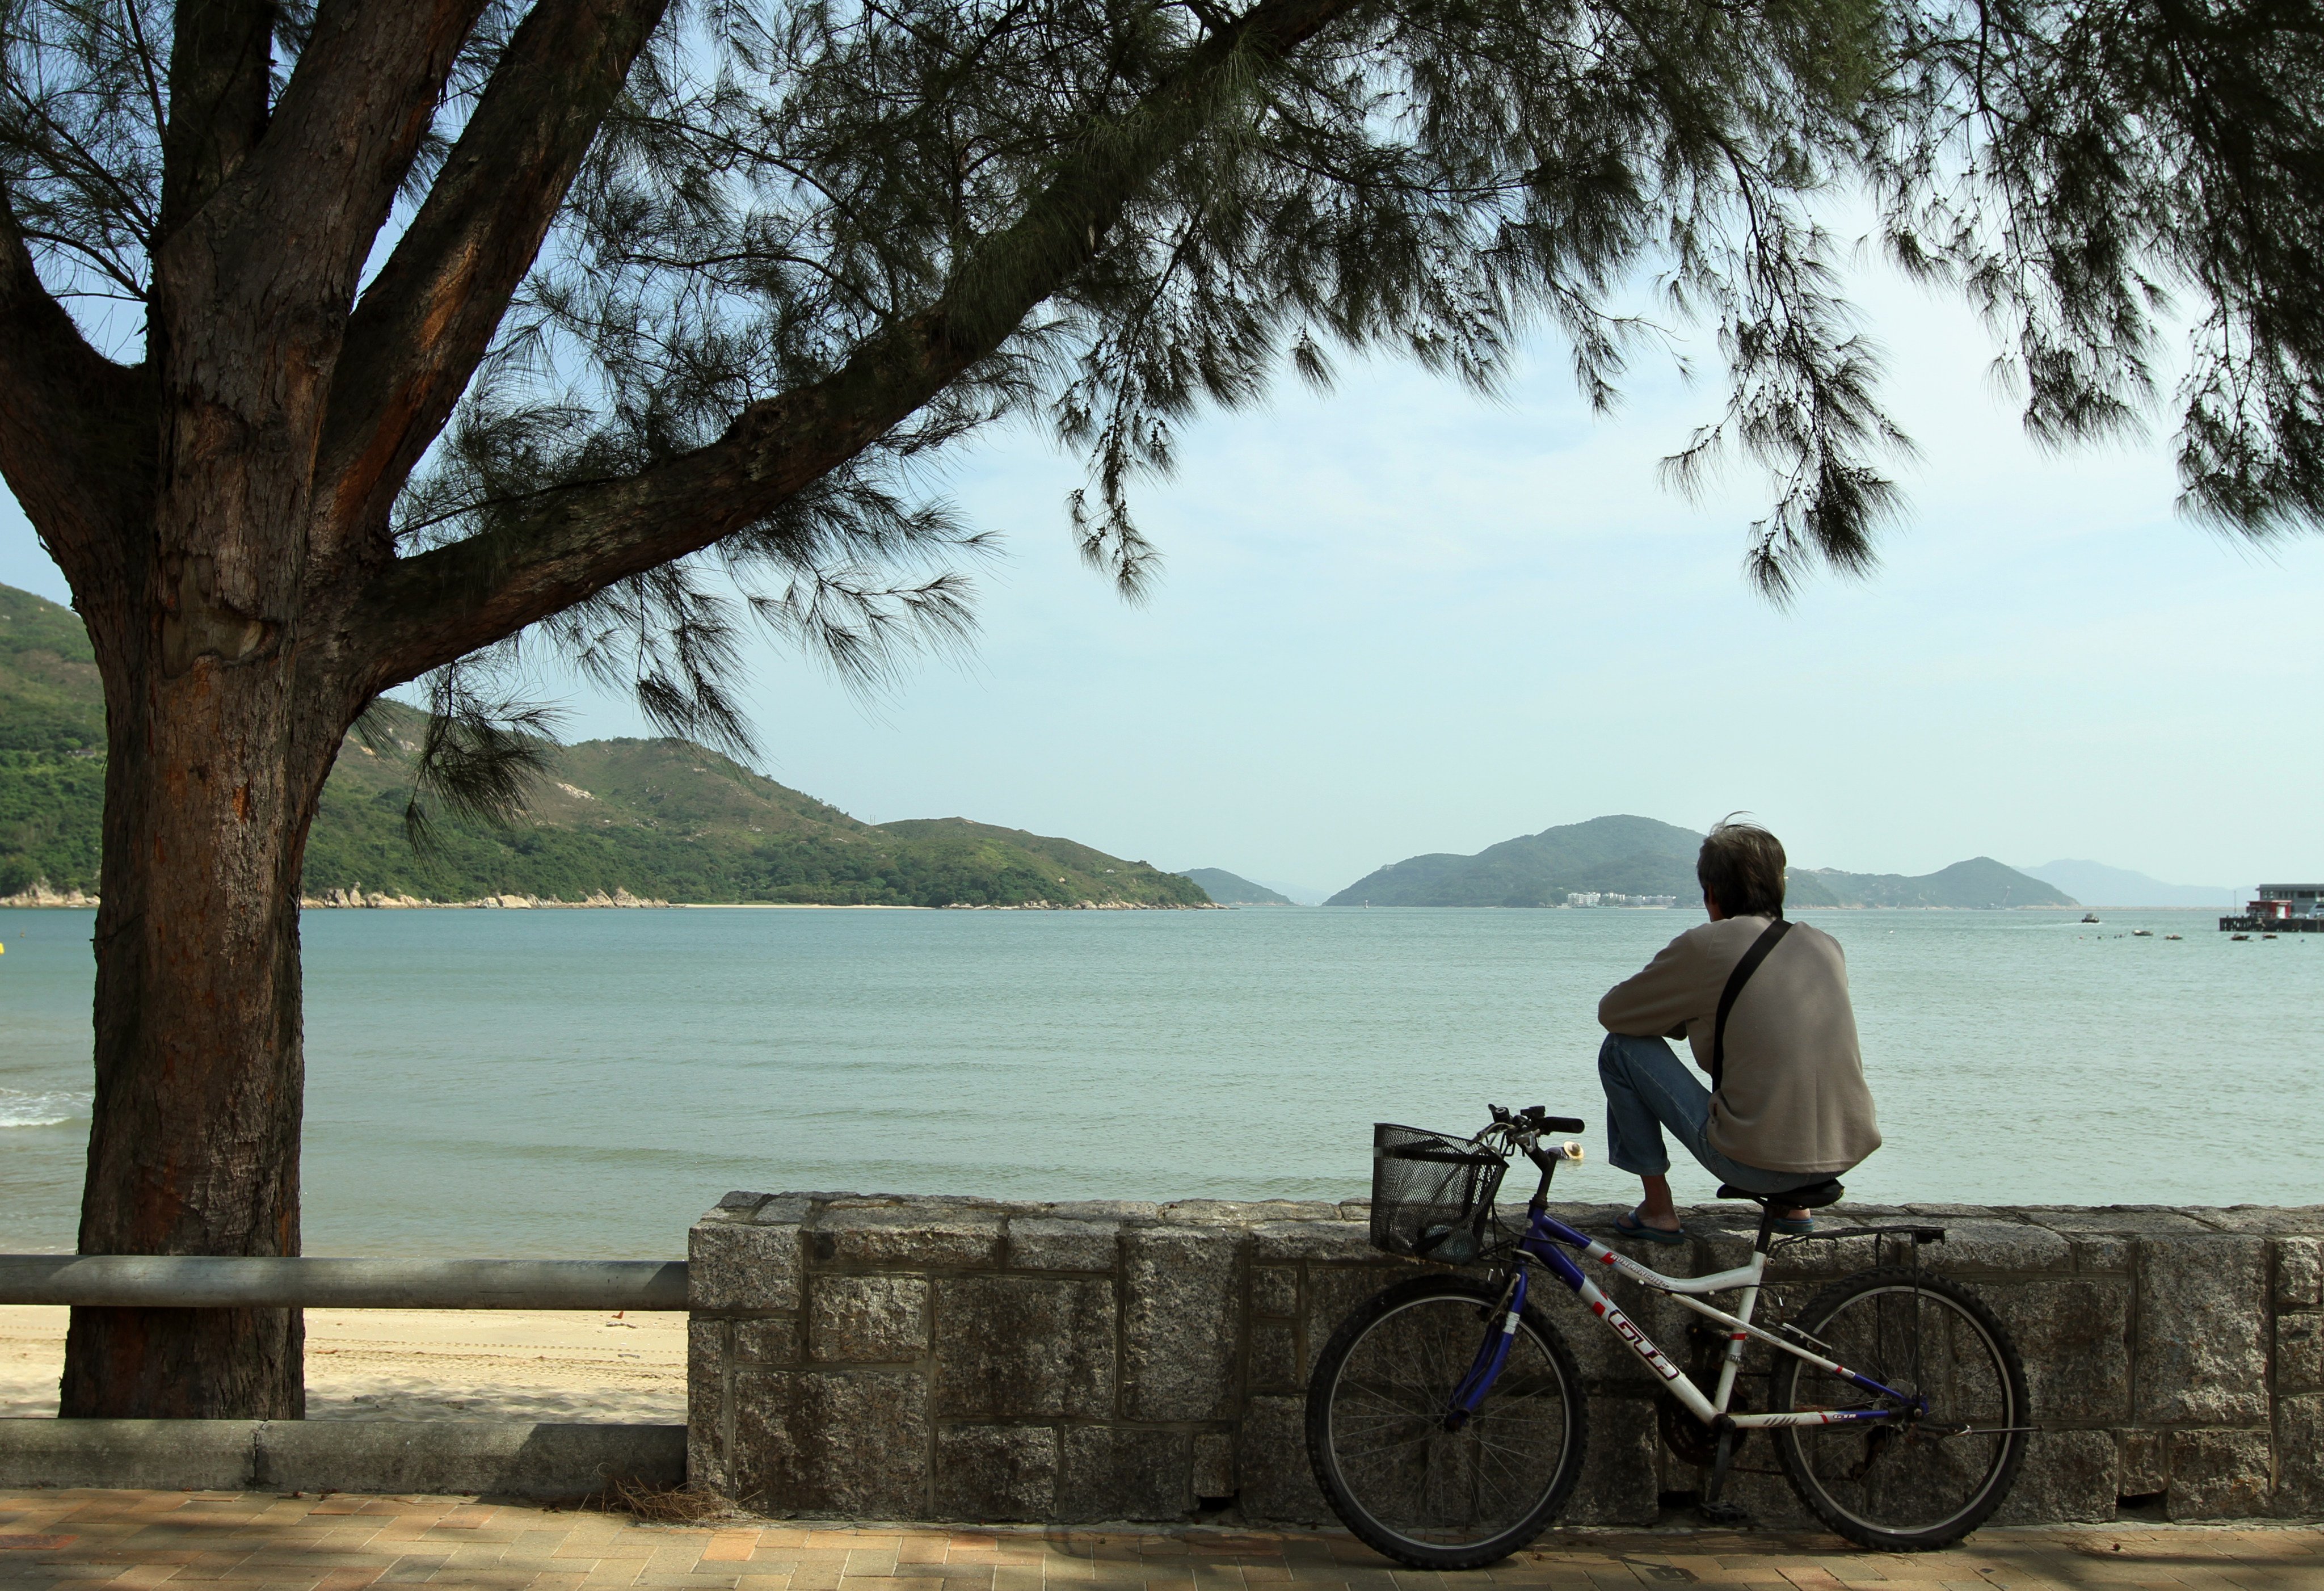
(429, 609)
(427, 318)
(72, 447)
(342, 138)
(220, 55)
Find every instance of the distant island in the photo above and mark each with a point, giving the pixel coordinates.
(1228, 890)
(2094, 884)
(615, 820)
(1626, 860)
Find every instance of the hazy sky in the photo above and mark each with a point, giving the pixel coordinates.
(1401, 618)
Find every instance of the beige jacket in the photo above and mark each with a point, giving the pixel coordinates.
(1793, 1098)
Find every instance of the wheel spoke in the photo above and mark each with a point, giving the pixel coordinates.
(1885, 1478)
(1402, 1472)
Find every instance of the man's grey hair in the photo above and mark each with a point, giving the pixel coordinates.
(1741, 867)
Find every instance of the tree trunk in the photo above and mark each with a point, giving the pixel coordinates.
(217, 758)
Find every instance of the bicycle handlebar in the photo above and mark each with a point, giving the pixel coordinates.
(1536, 1118)
(1522, 1130)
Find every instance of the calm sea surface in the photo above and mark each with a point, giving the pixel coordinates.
(585, 1083)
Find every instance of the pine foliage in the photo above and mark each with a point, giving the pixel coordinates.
(1102, 216)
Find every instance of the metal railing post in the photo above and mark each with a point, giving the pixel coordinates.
(191, 1281)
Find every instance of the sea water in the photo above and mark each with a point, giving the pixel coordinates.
(585, 1083)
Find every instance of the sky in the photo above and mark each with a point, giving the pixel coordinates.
(1402, 619)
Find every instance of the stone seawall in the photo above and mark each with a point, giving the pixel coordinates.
(901, 1358)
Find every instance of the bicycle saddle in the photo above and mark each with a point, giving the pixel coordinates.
(1813, 1197)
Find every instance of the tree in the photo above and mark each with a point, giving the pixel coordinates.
(449, 330)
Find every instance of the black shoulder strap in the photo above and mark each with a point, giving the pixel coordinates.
(1735, 982)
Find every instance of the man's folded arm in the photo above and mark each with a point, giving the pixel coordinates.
(1661, 998)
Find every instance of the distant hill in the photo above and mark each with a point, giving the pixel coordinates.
(1633, 856)
(50, 697)
(661, 819)
(1228, 890)
(51, 745)
(1980, 881)
(2094, 884)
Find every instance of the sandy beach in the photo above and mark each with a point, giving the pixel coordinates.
(431, 1364)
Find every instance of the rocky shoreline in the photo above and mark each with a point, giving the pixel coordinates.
(374, 900)
(360, 899)
(40, 894)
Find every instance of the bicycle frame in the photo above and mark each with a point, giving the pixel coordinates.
(1546, 1243)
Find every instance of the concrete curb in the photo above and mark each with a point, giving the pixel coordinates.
(500, 1457)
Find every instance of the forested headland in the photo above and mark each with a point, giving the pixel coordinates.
(662, 819)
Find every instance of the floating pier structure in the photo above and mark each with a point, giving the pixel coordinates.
(2280, 908)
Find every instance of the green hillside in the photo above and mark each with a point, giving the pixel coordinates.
(1980, 881)
(1228, 890)
(659, 818)
(1635, 855)
(1640, 857)
(51, 745)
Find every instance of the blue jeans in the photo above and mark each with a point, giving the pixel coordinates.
(1649, 1089)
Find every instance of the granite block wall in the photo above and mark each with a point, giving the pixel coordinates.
(900, 1358)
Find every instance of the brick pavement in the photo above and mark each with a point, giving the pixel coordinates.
(256, 1541)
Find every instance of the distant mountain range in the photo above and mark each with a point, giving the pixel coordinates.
(1228, 890)
(1633, 856)
(659, 818)
(2094, 884)
(668, 819)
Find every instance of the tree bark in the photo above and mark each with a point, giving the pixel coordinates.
(216, 603)
(215, 767)
(244, 601)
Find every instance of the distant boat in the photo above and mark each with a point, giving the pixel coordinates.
(2145, 933)
(2174, 935)
(2238, 938)
(2090, 917)
(2267, 935)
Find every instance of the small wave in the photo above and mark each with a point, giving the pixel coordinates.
(20, 1109)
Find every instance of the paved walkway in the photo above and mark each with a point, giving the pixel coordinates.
(256, 1542)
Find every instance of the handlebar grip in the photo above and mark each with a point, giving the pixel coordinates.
(1563, 1124)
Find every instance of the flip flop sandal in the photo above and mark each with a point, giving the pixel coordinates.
(1629, 1226)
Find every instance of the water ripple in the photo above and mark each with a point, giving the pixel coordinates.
(20, 1109)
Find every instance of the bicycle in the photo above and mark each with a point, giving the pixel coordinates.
(1446, 1448)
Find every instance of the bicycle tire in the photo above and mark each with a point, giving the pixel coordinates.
(1421, 1499)
(1915, 1333)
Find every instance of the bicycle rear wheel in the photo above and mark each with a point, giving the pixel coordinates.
(1413, 1490)
(1912, 1484)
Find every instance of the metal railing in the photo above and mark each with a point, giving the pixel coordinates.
(202, 1281)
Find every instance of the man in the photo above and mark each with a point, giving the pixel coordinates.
(1790, 1107)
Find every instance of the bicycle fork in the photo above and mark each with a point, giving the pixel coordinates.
(1492, 1353)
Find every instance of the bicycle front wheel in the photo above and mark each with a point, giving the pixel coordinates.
(1414, 1490)
(1912, 1483)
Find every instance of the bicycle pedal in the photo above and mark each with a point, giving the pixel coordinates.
(1732, 1516)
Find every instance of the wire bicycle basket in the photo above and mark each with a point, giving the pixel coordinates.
(1432, 1194)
